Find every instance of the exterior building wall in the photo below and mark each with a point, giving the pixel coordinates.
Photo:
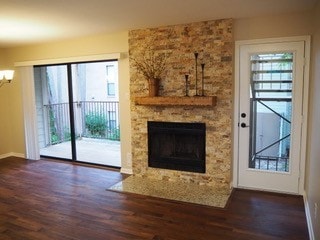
(96, 79)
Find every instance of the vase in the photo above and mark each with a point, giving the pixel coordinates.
(153, 87)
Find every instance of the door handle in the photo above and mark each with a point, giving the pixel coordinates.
(243, 125)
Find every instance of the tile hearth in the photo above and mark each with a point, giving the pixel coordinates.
(178, 191)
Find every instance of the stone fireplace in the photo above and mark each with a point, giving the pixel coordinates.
(214, 43)
(177, 146)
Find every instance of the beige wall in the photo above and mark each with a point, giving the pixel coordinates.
(12, 113)
(5, 124)
(313, 157)
(98, 44)
(2, 57)
(273, 26)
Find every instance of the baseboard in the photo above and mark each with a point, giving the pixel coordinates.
(308, 216)
(231, 186)
(19, 155)
(5, 155)
(12, 154)
(126, 170)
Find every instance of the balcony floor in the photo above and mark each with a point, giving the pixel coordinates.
(97, 151)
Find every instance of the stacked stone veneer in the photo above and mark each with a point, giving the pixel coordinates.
(214, 43)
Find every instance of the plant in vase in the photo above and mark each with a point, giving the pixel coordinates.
(152, 66)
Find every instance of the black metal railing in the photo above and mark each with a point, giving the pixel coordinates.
(100, 119)
(57, 123)
(93, 119)
(271, 163)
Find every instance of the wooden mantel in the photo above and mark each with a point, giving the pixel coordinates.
(177, 101)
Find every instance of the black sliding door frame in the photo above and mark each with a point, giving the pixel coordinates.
(71, 114)
(71, 106)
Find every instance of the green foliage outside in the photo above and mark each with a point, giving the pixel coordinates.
(114, 134)
(55, 137)
(96, 124)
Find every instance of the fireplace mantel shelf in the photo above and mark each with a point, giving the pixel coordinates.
(177, 101)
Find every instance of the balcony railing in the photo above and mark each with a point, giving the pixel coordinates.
(93, 119)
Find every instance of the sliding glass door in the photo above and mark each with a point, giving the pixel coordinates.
(78, 112)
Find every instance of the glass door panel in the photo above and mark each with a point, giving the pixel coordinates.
(96, 112)
(270, 111)
(53, 116)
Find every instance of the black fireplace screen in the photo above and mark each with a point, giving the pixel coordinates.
(177, 146)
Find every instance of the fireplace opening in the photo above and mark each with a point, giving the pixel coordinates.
(177, 146)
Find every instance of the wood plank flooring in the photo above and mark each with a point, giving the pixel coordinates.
(57, 200)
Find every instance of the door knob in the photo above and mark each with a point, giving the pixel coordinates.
(243, 125)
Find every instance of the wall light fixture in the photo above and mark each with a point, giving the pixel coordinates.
(6, 76)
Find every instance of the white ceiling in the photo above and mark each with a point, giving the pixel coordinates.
(34, 21)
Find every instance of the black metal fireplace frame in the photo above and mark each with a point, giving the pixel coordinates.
(177, 163)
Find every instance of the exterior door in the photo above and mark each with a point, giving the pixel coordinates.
(270, 115)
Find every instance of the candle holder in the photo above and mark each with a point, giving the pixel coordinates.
(202, 73)
(196, 61)
(187, 91)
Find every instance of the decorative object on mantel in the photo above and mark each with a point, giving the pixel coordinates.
(153, 84)
(198, 92)
(6, 76)
(196, 59)
(152, 66)
(187, 77)
(202, 73)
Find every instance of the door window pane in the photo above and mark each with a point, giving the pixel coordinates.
(270, 111)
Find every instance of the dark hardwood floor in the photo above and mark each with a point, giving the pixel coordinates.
(57, 200)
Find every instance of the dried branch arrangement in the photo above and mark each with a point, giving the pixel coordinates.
(150, 64)
(151, 61)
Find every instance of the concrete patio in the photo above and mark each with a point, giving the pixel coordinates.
(97, 151)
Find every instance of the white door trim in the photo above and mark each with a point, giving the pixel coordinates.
(238, 44)
(107, 56)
